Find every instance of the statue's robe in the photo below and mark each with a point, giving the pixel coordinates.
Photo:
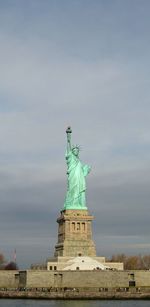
(76, 173)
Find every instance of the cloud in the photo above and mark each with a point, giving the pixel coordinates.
(86, 66)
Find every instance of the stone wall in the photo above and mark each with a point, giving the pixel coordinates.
(87, 279)
(8, 279)
(115, 265)
(94, 279)
(75, 279)
(142, 278)
(39, 278)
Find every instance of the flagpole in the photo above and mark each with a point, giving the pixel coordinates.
(14, 255)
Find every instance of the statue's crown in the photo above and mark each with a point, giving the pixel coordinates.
(75, 146)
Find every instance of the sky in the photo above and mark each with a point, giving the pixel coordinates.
(85, 64)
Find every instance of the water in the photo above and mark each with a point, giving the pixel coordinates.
(73, 303)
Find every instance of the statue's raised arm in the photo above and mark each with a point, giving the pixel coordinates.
(68, 131)
(76, 173)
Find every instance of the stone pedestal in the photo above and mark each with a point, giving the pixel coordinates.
(75, 234)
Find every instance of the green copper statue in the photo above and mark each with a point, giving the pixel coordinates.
(76, 172)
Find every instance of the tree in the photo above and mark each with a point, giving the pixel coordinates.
(11, 266)
(2, 261)
(135, 262)
(131, 263)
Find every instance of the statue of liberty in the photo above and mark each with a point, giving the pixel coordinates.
(76, 173)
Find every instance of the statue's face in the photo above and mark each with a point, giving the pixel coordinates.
(75, 151)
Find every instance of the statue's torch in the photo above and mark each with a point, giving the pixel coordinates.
(69, 131)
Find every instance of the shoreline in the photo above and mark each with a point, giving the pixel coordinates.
(111, 295)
